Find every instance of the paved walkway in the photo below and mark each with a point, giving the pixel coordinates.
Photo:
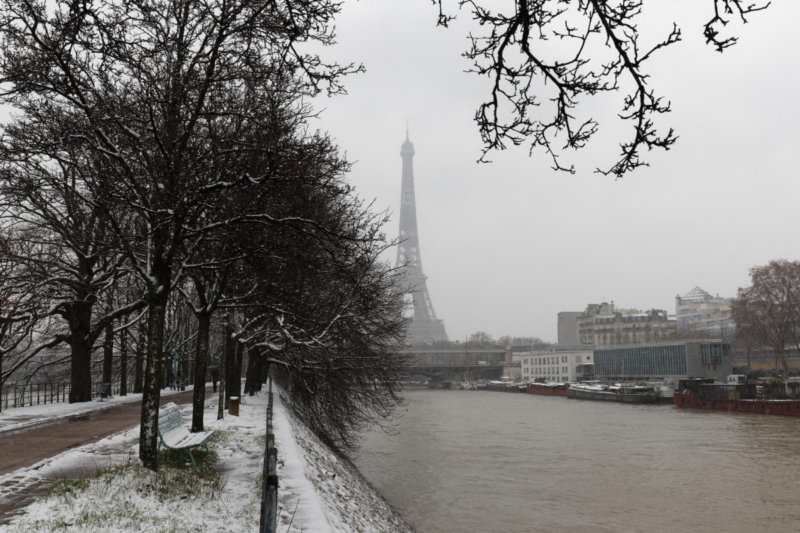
(28, 447)
(18, 418)
(24, 448)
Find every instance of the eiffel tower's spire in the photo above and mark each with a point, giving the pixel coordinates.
(424, 327)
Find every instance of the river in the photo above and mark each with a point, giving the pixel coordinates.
(490, 462)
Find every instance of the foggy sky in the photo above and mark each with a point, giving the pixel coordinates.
(508, 245)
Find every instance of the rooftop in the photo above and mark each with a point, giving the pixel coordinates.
(696, 294)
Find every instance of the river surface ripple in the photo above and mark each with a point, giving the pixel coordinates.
(490, 462)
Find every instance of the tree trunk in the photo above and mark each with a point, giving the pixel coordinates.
(264, 372)
(222, 365)
(123, 363)
(239, 351)
(253, 371)
(139, 365)
(108, 353)
(165, 369)
(79, 319)
(108, 343)
(230, 347)
(221, 403)
(148, 435)
(249, 388)
(200, 369)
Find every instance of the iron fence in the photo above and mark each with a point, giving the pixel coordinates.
(22, 395)
(269, 485)
(28, 394)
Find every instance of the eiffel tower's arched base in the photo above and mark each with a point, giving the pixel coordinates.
(426, 332)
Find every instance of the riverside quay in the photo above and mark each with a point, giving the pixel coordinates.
(678, 359)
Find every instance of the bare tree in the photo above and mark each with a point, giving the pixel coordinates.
(597, 50)
(768, 309)
(481, 339)
(144, 88)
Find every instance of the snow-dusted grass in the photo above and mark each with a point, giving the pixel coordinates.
(126, 498)
(318, 493)
(221, 495)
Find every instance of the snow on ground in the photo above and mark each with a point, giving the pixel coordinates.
(324, 492)
(18, 418)
(128, 498)
(318, 491)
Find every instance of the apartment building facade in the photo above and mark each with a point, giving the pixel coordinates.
(603, 325)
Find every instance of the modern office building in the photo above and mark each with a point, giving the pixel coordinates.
(560, 366)
(682, 359)
(699, 311)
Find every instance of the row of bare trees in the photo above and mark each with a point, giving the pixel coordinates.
(159, 183)
(767, 313)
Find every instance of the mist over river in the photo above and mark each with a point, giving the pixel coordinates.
(489, 462)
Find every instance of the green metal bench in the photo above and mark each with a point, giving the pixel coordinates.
(173, 435)
(103, 391)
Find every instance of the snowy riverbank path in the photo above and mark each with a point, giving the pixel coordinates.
(29, 446)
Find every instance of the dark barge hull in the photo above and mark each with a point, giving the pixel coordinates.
(764, 407)
(602, 396)
(547, 391)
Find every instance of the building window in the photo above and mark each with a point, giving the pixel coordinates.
(577, 358)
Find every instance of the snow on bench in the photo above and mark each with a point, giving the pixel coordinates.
(172, 434)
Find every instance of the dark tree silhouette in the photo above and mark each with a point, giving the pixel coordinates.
(768, 311)
(598, 51)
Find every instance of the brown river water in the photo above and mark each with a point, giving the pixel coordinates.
(491, 462)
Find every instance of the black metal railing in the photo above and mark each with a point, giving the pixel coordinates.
(23, 394)
(27, 394)
(269, 485)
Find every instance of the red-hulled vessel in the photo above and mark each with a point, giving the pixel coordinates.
(779, 398)
(550, 389)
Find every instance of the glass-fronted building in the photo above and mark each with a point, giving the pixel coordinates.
(680, 359)
(699, 311)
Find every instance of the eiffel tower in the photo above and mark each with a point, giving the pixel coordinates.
(424, 327)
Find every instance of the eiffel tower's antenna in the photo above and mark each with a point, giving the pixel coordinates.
(424, 327)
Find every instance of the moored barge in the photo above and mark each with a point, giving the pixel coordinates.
(614, 393)
(549, 389)
(503, 386)
(769, 398)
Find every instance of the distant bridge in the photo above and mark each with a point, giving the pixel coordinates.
(454, 372)
(437, 357)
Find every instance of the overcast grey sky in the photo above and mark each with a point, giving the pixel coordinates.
(506, 246)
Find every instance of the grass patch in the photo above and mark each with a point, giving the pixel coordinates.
(130, 498)
(63, 487)
(176, 460)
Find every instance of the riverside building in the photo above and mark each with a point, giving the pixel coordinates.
(559, 366)
(604, 325)
(676, 360)
(699, 311)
